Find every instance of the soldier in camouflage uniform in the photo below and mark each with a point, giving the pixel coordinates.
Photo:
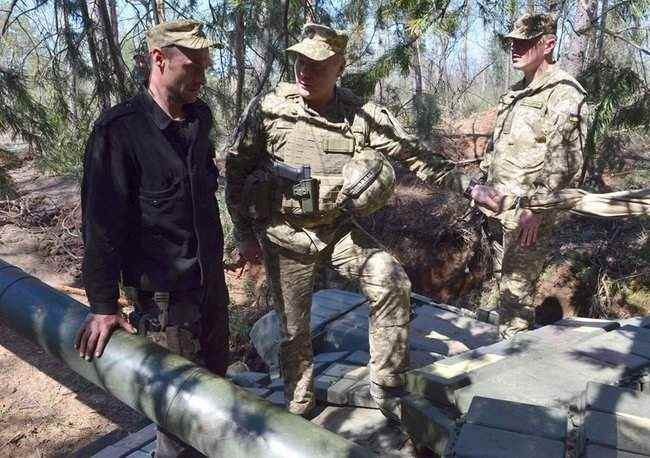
(314, 123)
(536, 149)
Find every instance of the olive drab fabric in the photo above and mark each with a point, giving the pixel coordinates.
(380, 277)
(283, 128)
(540, 130)
(619, 204)
(368, 183)
(531, 26)
(324, 145)
(537, 150)
(186, 34)
(320, 42)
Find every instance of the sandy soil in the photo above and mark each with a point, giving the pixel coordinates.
(45, 408)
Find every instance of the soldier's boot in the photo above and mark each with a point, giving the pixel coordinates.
(512, 327)
(389, 400)
(515, 315)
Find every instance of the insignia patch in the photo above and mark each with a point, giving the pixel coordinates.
(338, 145)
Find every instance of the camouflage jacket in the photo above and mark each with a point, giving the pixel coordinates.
(282, 127)
(538, 140)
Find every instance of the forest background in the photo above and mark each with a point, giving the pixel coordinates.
(435, 63)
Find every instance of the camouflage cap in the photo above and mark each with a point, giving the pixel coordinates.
(187, 34)
(320, 42)
(531, 26)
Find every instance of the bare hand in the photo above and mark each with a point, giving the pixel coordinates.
(529, 223)
(246, 252)
(95, 332)
(488, 197)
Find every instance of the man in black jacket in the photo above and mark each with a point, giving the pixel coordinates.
(150, 216)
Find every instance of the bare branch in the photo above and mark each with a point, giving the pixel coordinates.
(9, 24)
(627, 41)
(5, 26)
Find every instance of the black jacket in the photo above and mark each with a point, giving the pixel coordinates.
(148, 213)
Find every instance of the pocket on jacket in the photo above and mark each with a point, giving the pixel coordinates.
(159, 206)
(160, 194)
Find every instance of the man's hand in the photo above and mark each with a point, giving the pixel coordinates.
(95, 332)
(529, 223)
(246, 252)
(488, 197)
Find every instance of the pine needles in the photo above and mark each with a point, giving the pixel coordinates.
(621, 101)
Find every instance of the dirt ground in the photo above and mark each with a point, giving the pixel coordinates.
(45, 408)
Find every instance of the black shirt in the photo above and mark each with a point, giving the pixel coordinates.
(148, 205)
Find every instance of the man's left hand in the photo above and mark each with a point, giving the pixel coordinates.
(529, 224)
(488, 197)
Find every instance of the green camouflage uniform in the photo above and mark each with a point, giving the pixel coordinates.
(536, 149)
(282, 127)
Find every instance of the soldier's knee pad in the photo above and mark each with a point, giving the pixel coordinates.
(385, 270)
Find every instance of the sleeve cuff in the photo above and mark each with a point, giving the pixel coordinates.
(104, 308)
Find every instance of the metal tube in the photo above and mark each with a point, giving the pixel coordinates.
(205, 411)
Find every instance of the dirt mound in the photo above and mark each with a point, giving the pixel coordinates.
(467, 139)
(434, 235)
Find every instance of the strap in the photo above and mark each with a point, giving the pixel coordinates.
(364, 182)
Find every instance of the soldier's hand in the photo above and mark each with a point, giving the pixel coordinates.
(529, 224)
(488, 197)
(246, 252)
(95, 332)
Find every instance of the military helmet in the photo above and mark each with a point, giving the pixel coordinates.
(368, 183)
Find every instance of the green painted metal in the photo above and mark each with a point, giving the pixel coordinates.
(206, 411)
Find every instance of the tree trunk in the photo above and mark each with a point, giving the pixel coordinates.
(112, 8)
(465, 53)
(601, 34)
(240, 62)
(113, 50)
(72, 57)
(508, 67)
(418, 99)
(310, 11)
(158, 10)
(103, 91)
(285, 31)
(601, 39)
(576, 59)
(530, 6)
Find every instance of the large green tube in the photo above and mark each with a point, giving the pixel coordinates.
(203, 410)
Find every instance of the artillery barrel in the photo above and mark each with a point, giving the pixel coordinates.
(205, 411)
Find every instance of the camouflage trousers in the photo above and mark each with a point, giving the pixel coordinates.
(380, 277)
(516, 270)
(193, 325)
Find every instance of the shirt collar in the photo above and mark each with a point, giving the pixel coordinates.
(157, 114)
(519, 88)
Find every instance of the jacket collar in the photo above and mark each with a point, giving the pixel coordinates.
(158, 115)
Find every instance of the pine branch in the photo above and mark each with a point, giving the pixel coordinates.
(627, 41)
